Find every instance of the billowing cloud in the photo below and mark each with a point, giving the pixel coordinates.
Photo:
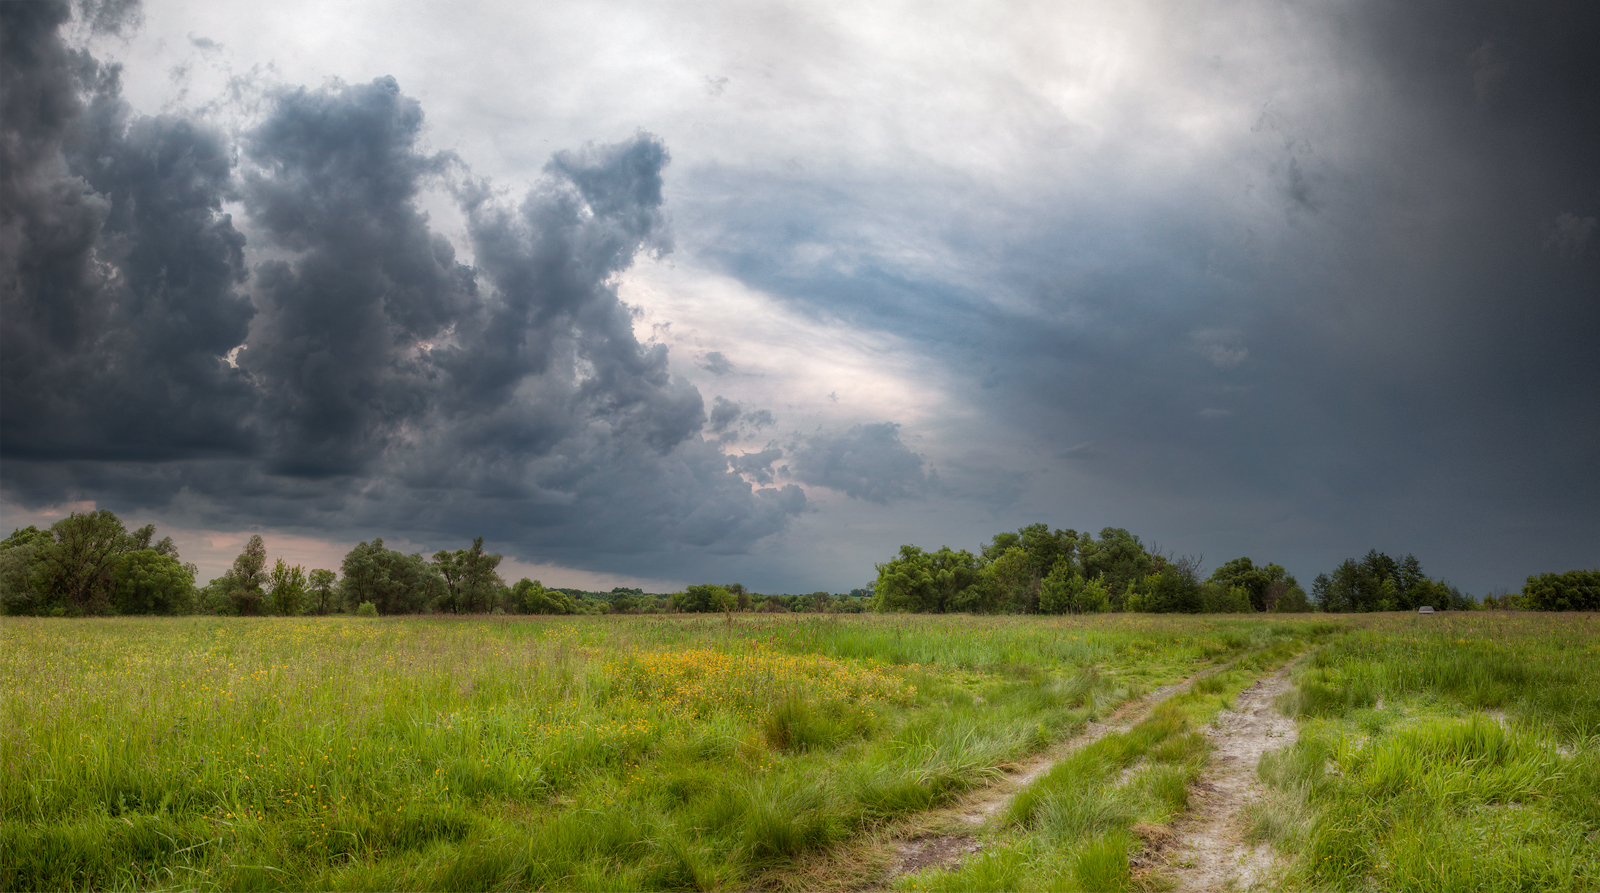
(360, 376)
(120, 275)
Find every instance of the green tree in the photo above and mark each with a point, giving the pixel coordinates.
(1220, 598)
(1015, 565)
(905, 583)
(321, 589)
(930, 583)
(1285, 599)
(1379, 582)
(1242, 573)
(79, 568)
(1065, 591)
(1118, 558)
(1571, 591)
(148, 581)
(447, 565)
(395, 583)
(703, 598)
(1007, 583)
(286, 587)
(145, 538)
(471, 583)
(479, 581)
(530, 597)
(248, 578)
(1176, 589)
(21, 586)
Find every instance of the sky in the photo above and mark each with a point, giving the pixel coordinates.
(648, 294)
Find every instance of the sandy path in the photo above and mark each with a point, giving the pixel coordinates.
(1209, 852)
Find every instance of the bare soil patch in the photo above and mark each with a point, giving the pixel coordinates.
(934, 851)
(1208, 851)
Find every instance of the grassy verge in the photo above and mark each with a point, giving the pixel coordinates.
(583, 753)
(1082, 825)
(1444, 753)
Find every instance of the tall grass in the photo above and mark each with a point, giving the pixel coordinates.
(574, 753)
(1445, 753)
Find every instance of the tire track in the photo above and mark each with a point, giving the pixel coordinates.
(1209, 851)
(948, 850)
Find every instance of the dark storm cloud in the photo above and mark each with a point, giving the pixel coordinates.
(119, 272)
(864, 462)
(1372, 317)
(375, 382)
(340, 352)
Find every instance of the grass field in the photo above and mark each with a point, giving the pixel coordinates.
(681, 752)
(1446, 753)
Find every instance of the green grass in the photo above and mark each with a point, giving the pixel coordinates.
(573, 753)
(1077, 826)
(1444, 753)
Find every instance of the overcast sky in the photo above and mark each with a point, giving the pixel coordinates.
(654, 293)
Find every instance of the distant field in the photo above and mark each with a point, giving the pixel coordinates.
(683, 753)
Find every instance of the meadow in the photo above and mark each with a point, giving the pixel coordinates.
(1449, 753)
(580, 753)
(687, 752)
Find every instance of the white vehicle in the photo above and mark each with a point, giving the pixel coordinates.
(1425, 609)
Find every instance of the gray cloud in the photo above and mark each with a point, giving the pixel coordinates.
(715, 363)
(757, 465)
(1401, 241)
(120, 275)
(381, 384)
(724, 413)
(864, 462)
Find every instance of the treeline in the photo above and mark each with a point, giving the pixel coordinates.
(1571, 591)
(1380, 583)
(711, 598)
(90, 564)
(1037, 570)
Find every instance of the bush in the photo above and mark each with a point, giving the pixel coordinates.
(1571, 591)
(1220, 598)
(367, 609)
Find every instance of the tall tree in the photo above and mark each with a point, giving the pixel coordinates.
(248, 577)
(286, 587)
(1264, 584)
(1119, 558)
(479, 582)
(395, 583)
(21, 584)
(321, 583)
(150, 582)
(80, 566)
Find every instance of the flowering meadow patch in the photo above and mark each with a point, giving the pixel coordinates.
(699, 681)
